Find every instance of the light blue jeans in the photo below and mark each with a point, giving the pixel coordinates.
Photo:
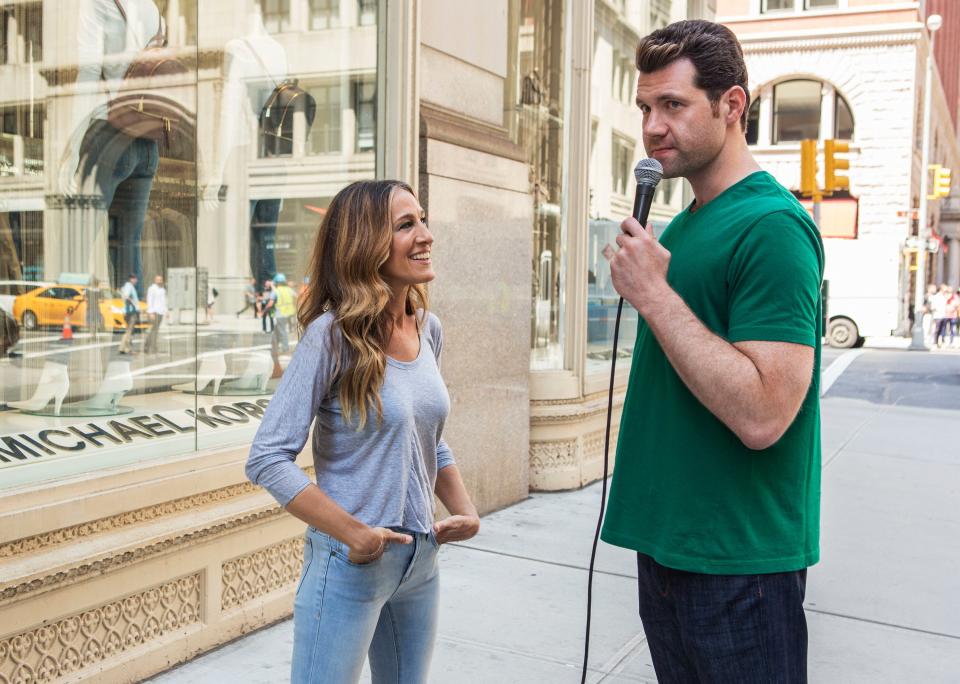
(386, 609)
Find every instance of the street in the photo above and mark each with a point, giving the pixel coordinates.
(879, 603)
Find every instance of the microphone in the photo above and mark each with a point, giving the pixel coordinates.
(648, 173)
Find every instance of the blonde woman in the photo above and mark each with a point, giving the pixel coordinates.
(366, 375)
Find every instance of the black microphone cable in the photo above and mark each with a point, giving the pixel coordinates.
(648, 173)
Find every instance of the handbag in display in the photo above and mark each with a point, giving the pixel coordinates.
(139, 111)
(276, 116)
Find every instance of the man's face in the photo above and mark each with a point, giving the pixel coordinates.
(158, 280)
(681, 129)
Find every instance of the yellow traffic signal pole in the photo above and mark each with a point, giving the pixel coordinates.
(917, 343)
(808, 176)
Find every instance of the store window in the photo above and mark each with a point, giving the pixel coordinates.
(534, 95)
(142, 259)
(616, 132)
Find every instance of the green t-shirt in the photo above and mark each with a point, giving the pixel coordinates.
(685, 489)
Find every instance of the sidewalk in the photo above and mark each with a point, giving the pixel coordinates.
(881, 605)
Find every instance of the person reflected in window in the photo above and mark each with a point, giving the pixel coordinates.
(106, 162)
(258, 96)
(131, 313)
(267, 308)
(156, 311)
(365, 381)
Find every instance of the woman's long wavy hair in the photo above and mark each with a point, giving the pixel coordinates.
(352, 245)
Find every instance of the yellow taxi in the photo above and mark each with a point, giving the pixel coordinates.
(49, 305)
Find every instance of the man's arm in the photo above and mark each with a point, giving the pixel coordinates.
(755, 388)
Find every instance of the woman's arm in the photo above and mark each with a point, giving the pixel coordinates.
(283, 433)
(464, 521)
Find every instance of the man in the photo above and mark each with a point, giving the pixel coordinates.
(156, 310)
(131, 312)
(717, 478)
(249, 297)
(286, 311)
(941, 320)
(267, 306)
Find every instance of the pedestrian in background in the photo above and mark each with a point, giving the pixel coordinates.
(366, 373)
(249, 297)
(131, 313)
(156, 310)
(286, 311)
(267, 307)
(938, 308)
(953, 311)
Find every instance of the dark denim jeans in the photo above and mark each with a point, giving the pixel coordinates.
(124, 169)
(724, 628)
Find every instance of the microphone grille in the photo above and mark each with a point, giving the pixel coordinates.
(648, 171)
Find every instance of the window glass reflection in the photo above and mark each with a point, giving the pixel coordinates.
(163, 171)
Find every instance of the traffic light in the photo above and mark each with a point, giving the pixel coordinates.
(808, 168)
(941, 182)
(831, 181)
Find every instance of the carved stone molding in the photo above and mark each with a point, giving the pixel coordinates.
(125, 558)
(260, 573)
(552, 455)
(54, 651)
(76, 532)
(439, 123)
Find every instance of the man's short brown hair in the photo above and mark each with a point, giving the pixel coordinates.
(712, 48)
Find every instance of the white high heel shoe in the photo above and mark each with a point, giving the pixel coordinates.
(117, 381)
(54, 384)
(212, 369)
(255, 375)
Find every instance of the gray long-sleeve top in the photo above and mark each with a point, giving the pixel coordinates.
(383, 475)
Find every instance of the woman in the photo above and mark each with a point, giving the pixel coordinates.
(367, 371)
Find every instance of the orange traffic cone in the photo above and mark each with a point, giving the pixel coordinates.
(67, 329)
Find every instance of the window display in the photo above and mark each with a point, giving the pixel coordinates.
(162, 172)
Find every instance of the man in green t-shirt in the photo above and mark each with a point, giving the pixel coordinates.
(717, 479)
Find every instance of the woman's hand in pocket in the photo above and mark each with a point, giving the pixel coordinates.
(372, 545)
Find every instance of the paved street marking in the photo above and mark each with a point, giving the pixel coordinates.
(835, 369)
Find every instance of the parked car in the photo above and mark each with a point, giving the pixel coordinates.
(9, 289)
(48, 306)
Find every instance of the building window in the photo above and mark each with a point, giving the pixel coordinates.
(21, 140)
(796, 110)
(188, 22)
(621, 159)
(326, 135)
(796, 5)
(843, 119)
(776, 5)
(276, 15)
(803, 109)
(367, 12)
(21, 34)
(753, 122)
(365, 111)
(324, 14)
(659, 14)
